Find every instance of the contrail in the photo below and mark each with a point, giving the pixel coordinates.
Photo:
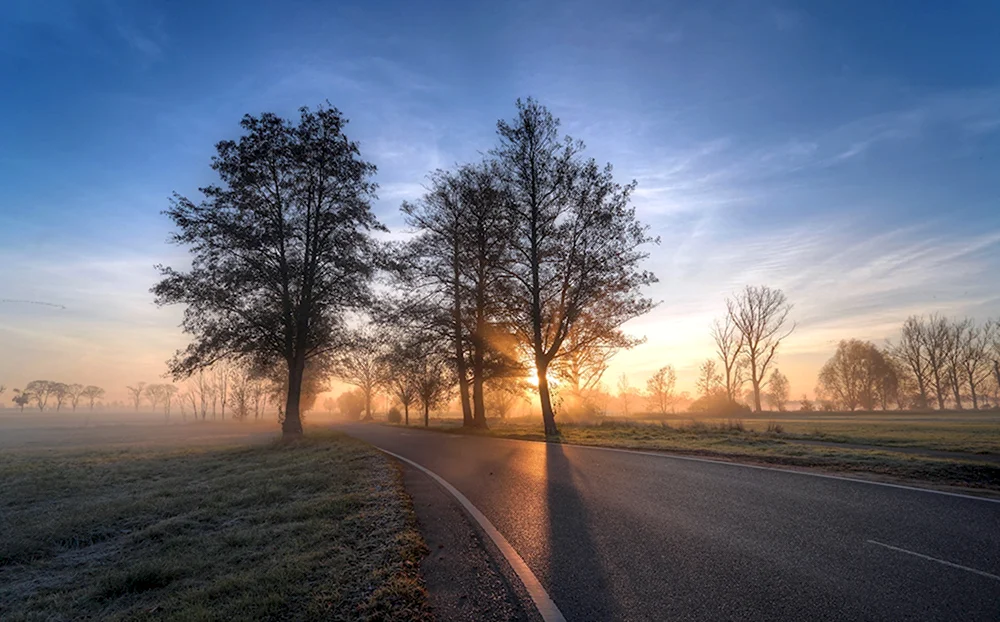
(32, 302)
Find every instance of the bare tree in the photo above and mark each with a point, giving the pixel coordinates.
(858, 375)
(60, 391)
(624, 393)
(709, 380)
(911, 353)
(778, 390)
(974, 362)
(153, 395)
(92, 393)
(136, 393)
(75, 392)
(576, 244)
(728, 347)
(937, 341)
(167, 394)
(40, 391)
(760, 315)
(222, 372)
(363, 365)
(660, 389)
(22, 398)
(281, 250)
(402, 375)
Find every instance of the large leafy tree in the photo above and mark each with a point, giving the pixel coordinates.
(576, 245)
(280, 249)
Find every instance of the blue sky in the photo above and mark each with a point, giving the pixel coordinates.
(847, 152)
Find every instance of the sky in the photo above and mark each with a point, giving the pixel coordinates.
(846, 152)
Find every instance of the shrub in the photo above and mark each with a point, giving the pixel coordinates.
(394, 416)
(775, 428)
(718, 404)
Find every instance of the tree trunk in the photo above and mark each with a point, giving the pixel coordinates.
(756, 393)
(548, 415)
(427, 415)
(406, 413)
(368, 407)
(292, 425)
(956, 389)
(479, 404)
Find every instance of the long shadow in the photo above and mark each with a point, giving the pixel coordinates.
(578, 579)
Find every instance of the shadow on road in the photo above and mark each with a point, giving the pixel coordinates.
(579, 583)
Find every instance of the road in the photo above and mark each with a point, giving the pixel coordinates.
(626, 536)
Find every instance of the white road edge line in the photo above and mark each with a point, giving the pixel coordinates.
(545, 605)
(935, 559)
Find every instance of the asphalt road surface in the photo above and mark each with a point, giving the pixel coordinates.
(627, 536)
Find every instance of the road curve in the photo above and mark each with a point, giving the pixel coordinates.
(626, 536)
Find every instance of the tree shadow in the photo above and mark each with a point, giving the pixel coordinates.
(577, 577)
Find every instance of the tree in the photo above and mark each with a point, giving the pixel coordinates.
(974, 362)
(222, 373)
(136, 393)
(92, 394)
(40, 391)
(778, 390)
(911, 353)
(60, 391)
(153, 394)
(759, 315)
(709, 380)
(503, 394)
(624, 393)
(402, 374)
(281, 250)
(575, 247)
(22, 398)
(167, 393)
(434, 382)
(858, 375)
(937, 340)
(729, 347)
(363, 365)
(660, 389)
(75, 392)
(351, 404)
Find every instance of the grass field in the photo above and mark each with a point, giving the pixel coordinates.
(235, 528)
(893, 446)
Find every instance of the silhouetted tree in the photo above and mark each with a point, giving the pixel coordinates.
(624, 393)
(709, 380)
(281, 249)
(759, 314)
(351, 404)
(434, 381)
(778, 390)
(729, 347)
(74, 392)
(857, 375)
(40, 391)
(153, 394)
(92, 393)
(60, 392)
(660, 389)
(974, 360)
(22, 398)
(910, 351)
(402, 371)
(363, 365)
(136, 393)
(576, 245)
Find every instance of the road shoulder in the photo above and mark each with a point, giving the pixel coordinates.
(467, 578)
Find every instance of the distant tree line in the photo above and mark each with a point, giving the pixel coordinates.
(936, 362)
(46, 394)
